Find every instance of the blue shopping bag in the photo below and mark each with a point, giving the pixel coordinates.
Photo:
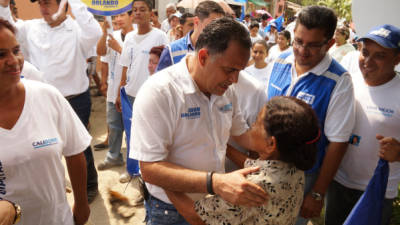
(368, 210)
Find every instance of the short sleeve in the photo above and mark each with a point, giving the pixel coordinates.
(74, 134)
(340, 118)
(152, 125)
(124, 59)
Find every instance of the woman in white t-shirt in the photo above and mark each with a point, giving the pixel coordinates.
(37, 128)
(254, 35)
(282, 44)
(259, 69)
(341, 46)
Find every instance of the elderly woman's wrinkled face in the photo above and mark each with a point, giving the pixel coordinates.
(11, 59)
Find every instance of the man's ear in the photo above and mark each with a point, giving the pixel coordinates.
(202, 56)
(397, 58)
(196, 21)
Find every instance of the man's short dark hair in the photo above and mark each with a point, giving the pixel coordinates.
(217, 35)
(254, 24)
(184, 17)
(265, 17)
(318, 17)
(155, 12)
(204, 9)
(147, 2)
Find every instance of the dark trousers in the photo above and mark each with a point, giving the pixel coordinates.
(82, 107)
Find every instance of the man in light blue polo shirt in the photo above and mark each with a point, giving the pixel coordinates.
(309, 73)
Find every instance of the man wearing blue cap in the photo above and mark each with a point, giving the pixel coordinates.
(377, 91)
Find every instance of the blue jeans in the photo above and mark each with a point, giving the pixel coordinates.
(311, 178)
(341, 200)
(115, 131)
(82, 106)
(161, 213)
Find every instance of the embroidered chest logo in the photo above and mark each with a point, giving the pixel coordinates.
(226, 108)
(307, 98)
(44, 143)
(192, 113)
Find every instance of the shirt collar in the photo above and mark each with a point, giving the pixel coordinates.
(186, 82)
(319, 69)
(189, 41)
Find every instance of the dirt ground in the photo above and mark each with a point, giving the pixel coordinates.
(102, 212)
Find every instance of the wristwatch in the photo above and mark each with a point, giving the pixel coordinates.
(18, 212)
(317, 196)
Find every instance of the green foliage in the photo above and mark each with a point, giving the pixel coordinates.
(342, 7)
(396, 210)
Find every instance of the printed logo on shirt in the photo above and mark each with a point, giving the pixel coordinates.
(3, 190)
(380, 110)
(44, 143)
(307, 98)
(381, 32)
(192, 113)
(354, 139)
(226, 108)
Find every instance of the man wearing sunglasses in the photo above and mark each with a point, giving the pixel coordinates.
(310, 74)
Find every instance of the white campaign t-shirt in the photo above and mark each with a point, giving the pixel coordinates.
(30, 72)
(274, 52)
(338, 52)
(350, 62)
(262, 75)
(31, 171)
(256, 38)
(377, 112)
(175, 122)
(114, 69)
(135, 56)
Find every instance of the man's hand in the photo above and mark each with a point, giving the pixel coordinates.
(7, 213)
(311, 207)
(5, 3)
(113, 44)
(389, 148)
(118, 105)
(234, 188)
(81, 213)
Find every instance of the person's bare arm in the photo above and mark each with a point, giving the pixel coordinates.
(76, 165)
(121, 84)
(185, 207)
(7, 213)
(236, 156)
(334, 154)
(232, 187)
(104, 78)
(101, 48)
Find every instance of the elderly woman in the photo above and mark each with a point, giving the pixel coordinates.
(341, 46)
(37, 128)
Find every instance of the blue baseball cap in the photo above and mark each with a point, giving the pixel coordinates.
(387, 36)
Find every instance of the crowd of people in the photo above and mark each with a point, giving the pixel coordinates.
(233, 122)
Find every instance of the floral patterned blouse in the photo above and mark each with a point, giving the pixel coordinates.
(284, 184)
